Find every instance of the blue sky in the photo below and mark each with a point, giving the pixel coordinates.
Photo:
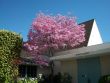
(17, 15)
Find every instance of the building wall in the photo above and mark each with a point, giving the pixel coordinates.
(71, 68)
(70, 65)
(95, 37)
(105, 64)
(44, 71)
(57, 67)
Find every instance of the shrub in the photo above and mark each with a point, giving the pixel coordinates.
(66, 78)
(105, 79)
(10, 47)
(28, 80)
(58, 78)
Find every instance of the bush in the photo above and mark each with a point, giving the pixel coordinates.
(105, 79)
(66, 78)
(58, 78)
(10, 47)
(28, 80)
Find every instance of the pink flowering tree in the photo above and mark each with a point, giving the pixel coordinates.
(49, 33)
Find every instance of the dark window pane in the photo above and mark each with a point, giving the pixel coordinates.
(22, 70)
(29, 70)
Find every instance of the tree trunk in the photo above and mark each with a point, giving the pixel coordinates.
(51, 64)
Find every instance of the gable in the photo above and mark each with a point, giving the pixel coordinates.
(92, 34)
(95, 37)
(88, 28)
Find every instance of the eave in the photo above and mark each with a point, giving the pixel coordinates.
(83, 52)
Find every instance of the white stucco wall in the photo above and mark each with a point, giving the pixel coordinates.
(71, 68)
(105, 64)
(57, 67)
(95, 37)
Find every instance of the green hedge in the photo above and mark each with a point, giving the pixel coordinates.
(10, 47)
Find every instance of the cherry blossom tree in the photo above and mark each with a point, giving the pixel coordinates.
(53, 33)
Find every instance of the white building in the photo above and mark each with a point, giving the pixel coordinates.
(89, 61)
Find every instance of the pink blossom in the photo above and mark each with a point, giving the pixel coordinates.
(54, 32)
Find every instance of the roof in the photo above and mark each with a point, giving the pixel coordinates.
(84, 52)
(88, 29)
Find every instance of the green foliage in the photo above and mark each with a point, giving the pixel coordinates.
(66, 78)
(58, 78)
(10, 47)
(28, 80)
(105, 79)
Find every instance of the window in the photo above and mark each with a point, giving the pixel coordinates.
(28, 70)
